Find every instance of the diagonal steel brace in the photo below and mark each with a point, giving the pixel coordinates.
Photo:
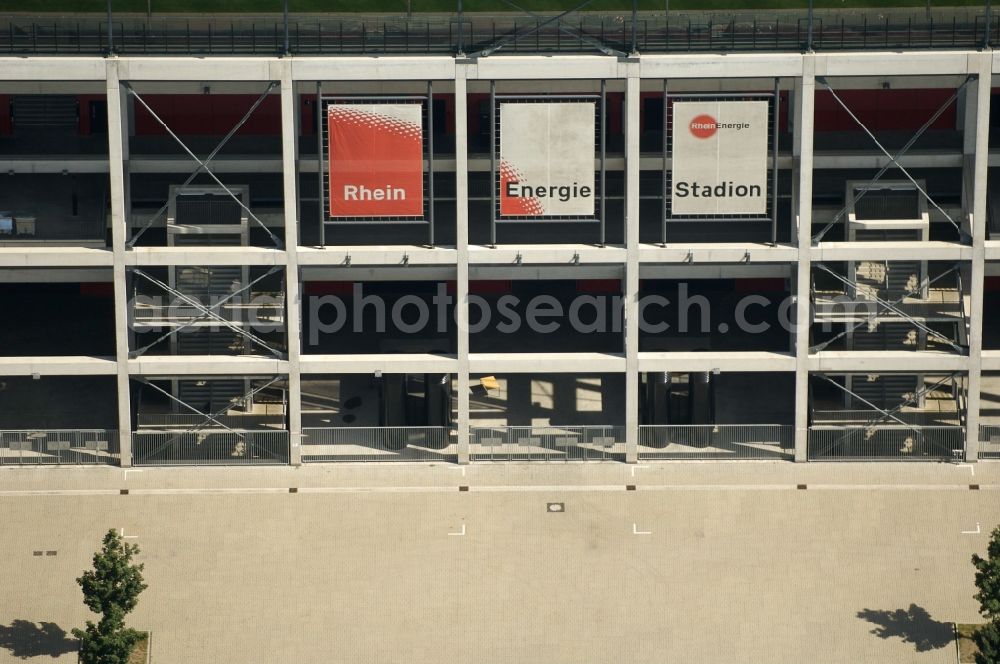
(208, 160)
(206, 312)
(892, 159)
(208, 171)
(208, 417)
(881, 309)
(891, 307)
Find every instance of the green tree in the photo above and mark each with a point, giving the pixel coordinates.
(988, 581)
(112, 590)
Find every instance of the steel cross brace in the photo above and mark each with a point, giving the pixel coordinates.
(208, 417)
(208, 160)
(202, 165)
(603, 48)
(913, 397)
(506, 40)
(883, 306)
(885, 413)
(893, 160)
(206, 312)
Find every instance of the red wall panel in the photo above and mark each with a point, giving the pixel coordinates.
(212, 115)
(883, 109)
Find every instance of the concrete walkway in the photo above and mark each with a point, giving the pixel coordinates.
(703, 562)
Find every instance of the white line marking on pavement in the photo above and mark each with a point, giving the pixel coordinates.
(128, 536)
(972, 532)
(636, 531)
(969, 466)
(130, 470)
(634, 467)
(462, 468)
(461, 532)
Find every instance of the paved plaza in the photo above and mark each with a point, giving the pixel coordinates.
(868, 564)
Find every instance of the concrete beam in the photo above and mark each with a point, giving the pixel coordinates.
(886, 361)
(376, 68)
(24, 257)
(545, 254)
(153, 256)
(206, 365)
(64, 365)
(52, 69)
(395, 363)
(751, 361)
(730, 65)
(895, 63)
(890, 251)
(376, 255)
(571, 363)
(717, 252)
(187, 68)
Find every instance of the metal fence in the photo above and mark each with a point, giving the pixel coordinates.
(378, 444)
(59, 447)
(717, 441)
(549, 443)
(370, 34)
(989, 441)
(151, 448)
(883, 442)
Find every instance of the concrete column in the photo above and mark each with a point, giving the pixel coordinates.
(462, 249)
(979, 125)
(632, 262)
(118, 172)
(804, 149)
(293, 304)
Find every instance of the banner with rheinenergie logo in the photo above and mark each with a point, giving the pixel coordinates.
(719, 160)
(547, 159)
(376, 160)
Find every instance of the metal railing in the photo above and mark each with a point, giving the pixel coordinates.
(717, 441)
(372, 34)
(884, 442)
(321, 444)
(59, 447)
(151, 448)
(989, 441)
(547, 443)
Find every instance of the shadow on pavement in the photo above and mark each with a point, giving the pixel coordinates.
(913, 625)
(25, 639)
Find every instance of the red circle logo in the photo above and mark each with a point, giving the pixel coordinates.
(703, 126)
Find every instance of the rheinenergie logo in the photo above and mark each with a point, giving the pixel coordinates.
(705, 126)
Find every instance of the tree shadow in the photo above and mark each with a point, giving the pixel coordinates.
(913, 625)
(25, 639)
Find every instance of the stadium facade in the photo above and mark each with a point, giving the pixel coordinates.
(472, 256)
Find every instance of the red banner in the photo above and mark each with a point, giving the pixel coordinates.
(376, 160)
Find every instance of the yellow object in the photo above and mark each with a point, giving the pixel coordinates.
(489, 382)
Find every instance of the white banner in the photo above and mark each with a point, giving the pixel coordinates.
(719, 162)
(547, 159)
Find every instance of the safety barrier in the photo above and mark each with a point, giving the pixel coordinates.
(166, 448)
(378, 444)
(717, 441)
(885, 442)
(59, 447)
(547, 443)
